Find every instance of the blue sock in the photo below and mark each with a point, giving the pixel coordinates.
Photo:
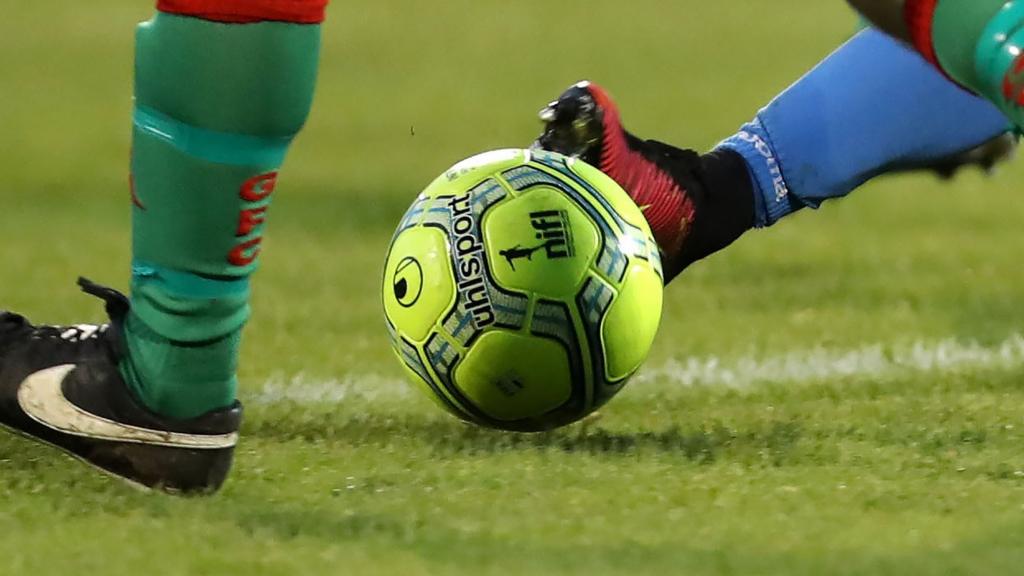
(870, 107)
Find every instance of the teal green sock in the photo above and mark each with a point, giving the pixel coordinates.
(956, 27)
(980, 43)
(999, 61)
(216, 106)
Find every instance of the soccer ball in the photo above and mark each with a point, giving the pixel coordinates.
(522, 290)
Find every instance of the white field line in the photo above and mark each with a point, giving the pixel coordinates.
(302, 389)
(875, 361)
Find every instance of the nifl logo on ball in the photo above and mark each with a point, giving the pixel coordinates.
(554, 232)
(469, 261)
(510, 385)
(408, 282)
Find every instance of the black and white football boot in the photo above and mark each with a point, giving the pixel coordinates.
(60, 385)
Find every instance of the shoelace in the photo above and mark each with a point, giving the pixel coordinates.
(74, 334)
(117, 306)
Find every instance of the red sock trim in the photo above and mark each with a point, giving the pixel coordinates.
(920, 16)
(668, 208)
(248, 11)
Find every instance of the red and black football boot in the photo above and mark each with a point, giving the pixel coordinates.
(695, 204)
(60, 385)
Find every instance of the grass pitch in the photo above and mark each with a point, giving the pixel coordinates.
(838, 395)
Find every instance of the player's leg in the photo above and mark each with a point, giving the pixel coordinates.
(977, 43)
(870, 108)
(985, 156)
(821, 138)
(222, 86)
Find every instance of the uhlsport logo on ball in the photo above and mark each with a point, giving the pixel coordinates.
(522, 289)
